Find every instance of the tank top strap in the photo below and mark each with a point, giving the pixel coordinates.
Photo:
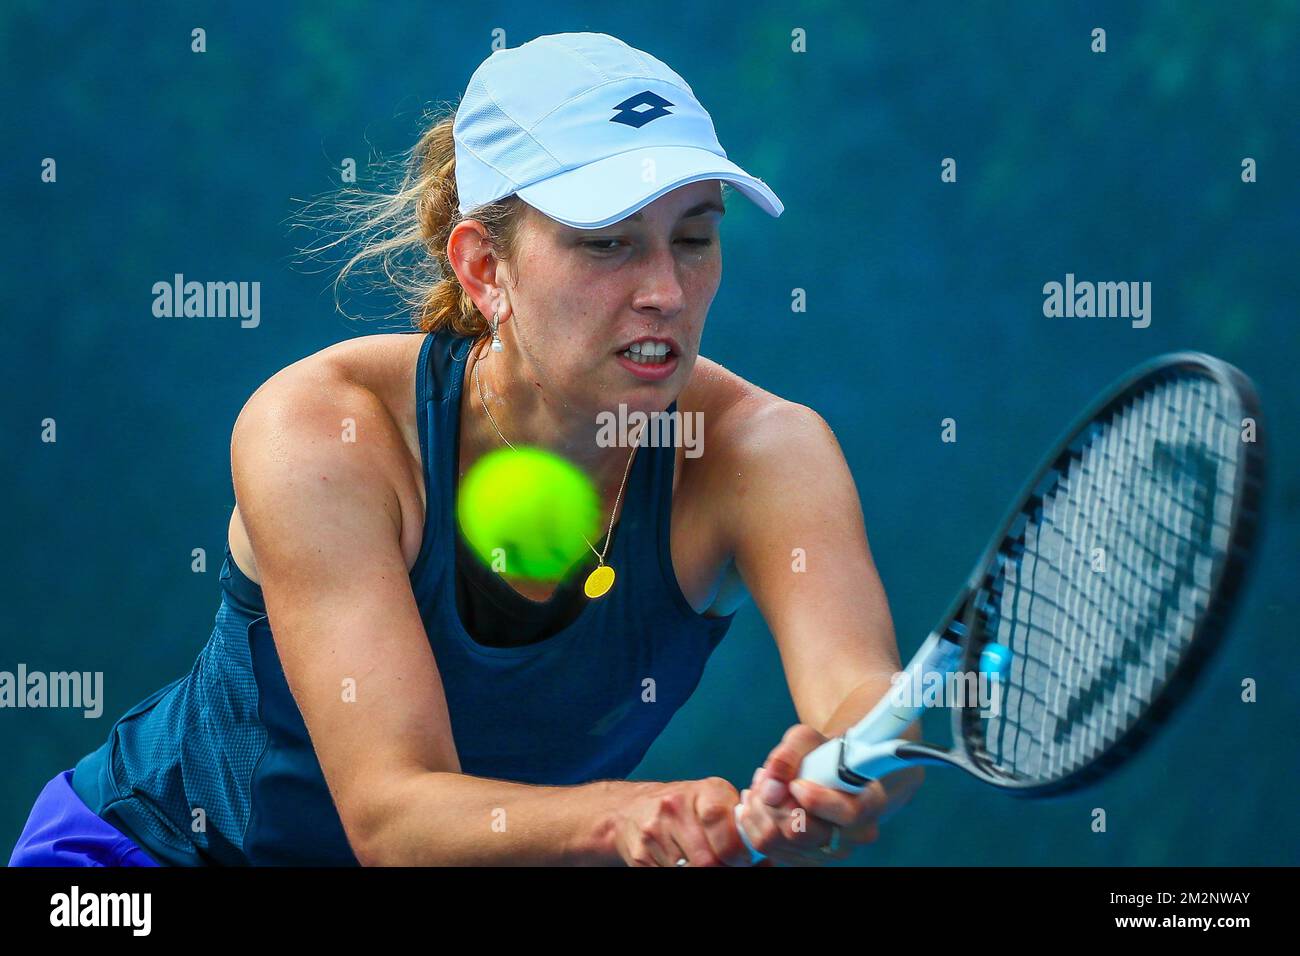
(440, 372)
(660, 479)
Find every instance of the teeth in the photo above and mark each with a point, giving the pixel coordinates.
(648, 357)
(647, 353)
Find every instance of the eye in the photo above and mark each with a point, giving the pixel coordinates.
(609, 245)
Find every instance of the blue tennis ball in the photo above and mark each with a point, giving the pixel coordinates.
(526, 511)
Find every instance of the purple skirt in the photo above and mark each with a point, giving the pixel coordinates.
(63, 831)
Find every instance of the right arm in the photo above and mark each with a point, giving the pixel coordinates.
(324, 518)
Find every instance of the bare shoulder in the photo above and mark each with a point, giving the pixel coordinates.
(337, 412)
(747, 423)
(348, 392)
(381, 365)
(761, 452)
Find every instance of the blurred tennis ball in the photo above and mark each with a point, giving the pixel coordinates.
(529, 507)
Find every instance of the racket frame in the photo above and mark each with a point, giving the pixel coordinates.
(1210, 626)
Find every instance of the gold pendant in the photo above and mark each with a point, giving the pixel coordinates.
(599, 581)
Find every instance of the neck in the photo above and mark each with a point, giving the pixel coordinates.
(527, 413)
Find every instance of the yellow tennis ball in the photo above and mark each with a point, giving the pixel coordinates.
(525, 511)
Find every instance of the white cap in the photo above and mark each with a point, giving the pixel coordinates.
(586, 130)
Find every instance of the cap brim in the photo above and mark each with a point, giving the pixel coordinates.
(610, 189)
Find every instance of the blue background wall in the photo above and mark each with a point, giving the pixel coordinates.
(924, 301)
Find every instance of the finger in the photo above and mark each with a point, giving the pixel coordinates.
(806, 848)
(783, 762)
(860, 835)
(662, 853)
(782, 832)
(810, 834)
(820, 844)
(692, 839)
(756, 822)
(837, 806)
(716, 814)
(773, 792)
(690, 853)
(770, 789)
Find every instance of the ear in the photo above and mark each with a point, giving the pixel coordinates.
(476, 266)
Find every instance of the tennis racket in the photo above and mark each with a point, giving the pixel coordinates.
(1097, 602)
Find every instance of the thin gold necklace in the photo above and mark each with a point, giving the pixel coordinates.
(601, 579)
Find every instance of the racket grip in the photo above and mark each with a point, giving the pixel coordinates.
(868, 750)
(823, 766)
(754, 855)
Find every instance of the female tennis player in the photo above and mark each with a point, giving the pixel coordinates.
(372, 692)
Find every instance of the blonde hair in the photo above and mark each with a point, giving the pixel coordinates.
(402, 232)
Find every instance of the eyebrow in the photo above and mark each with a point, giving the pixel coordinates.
(709, 205)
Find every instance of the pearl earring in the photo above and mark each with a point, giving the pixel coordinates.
(496, 339)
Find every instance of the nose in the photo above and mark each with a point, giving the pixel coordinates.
(659, 286)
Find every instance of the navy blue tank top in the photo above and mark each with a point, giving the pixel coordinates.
(217, 767)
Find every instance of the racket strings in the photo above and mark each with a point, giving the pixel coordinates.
(1130, 666)
(1136, 564)
(1135, 571)
(1127, 594)
(1099, 598)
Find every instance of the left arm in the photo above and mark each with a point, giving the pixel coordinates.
(800, 545)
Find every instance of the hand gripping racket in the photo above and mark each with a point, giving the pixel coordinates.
(1098, 601)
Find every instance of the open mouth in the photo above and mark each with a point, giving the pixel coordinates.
(648, 353)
